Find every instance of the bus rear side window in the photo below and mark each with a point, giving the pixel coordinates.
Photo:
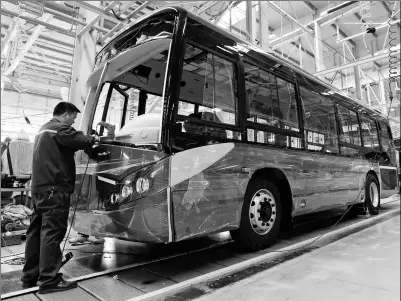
(369, 132)
(320, 122)
(349, 126)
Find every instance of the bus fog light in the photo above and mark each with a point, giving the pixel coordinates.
(126, 191)
(142, 185)
(114, 198)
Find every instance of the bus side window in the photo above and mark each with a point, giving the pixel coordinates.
(320, 122)
(270, 101)
(208, 93)
(370, 135)
(349, 132)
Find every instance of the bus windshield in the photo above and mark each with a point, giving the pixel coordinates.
(155, 27)
(131, 98)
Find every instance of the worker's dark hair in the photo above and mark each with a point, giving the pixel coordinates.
(63, 107)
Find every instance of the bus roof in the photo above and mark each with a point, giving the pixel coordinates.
(249, 48)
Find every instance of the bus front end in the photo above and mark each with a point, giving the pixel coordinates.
(123, 192)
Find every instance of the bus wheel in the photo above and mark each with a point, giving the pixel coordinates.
(372, 194)
(260, 217)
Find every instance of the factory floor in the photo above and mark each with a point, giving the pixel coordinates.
(361, 267)
(360, 262)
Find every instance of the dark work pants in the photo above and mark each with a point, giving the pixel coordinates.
(48, 227)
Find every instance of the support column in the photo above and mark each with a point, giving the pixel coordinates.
(357, 76)
(318, 48)
(368, 94)
(381, 89)
(249, 20)
(260, 17)
(301, 58)
(83, 62)
(2, 86)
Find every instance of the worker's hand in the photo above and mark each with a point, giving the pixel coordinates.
(96, 151)
(111, 129)
(97, 138)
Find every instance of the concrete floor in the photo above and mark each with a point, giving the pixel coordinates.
(364, 266)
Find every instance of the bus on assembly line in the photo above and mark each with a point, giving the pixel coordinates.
(213, 134)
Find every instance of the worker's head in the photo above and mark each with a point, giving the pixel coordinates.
(66, 112)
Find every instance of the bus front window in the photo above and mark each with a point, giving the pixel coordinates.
(132, 100)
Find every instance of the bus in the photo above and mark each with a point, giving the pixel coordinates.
(213, 134)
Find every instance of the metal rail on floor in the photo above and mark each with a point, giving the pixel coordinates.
(119, 269)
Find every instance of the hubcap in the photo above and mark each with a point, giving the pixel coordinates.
(262, 211)
(374, 194)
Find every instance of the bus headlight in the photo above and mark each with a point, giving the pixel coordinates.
(127, 190)
(142, 185)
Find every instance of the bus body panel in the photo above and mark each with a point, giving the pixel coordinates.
(211, 200)
(144, 219)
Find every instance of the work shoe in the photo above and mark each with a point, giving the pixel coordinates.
(26, 285)
(79, 239)
(63, 285)
(95, 240)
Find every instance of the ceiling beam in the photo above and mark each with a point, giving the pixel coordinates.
(358, 16)
(122, 23)
(311, 7)
(138, 10)
(96, 19)
(333, 26)
(288, 16)
(303, 49)
(355, 63)
(37, 22)
(27, 45)
(51, 64)
(63, 13)
(363, 32)
(27, 74)
(53, 49)
(102, 12)
(206, 6)
(45, 38)
(343, 34)
(389, 11)
(52, 58)
(42, 68)
(10, 35)
(73, 20)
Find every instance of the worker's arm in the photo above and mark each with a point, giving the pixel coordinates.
(74, 139)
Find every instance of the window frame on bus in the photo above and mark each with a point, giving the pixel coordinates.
(342, 143)
(334, 106)
(379, 148)
(362, 149)
(266, 128)
(234, 59)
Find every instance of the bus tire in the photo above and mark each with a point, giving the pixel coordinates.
(372, 195)
(260, 217)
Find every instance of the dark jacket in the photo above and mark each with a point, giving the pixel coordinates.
(53, 166)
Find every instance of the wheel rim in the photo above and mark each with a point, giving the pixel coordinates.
(374, 194)
(262, 211)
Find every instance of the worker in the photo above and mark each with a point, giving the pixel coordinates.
(53, 180)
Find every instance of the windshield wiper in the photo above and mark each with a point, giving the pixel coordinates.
(156, 146)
